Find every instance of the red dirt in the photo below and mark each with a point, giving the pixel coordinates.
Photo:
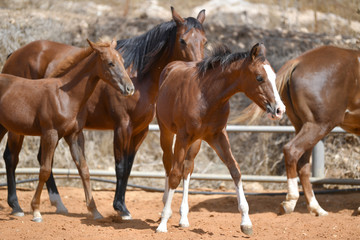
(211, 217)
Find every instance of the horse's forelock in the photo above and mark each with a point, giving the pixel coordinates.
(191, 22)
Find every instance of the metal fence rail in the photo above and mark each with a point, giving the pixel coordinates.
(318, 162)
(318, 155)
(195, 176)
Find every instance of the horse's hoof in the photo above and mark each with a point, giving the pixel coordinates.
(322, 213)
(359, 211)
(284, 209)
(161, 230)
(97, 216)
(184, 224)
(246, 230)
(61, 210)
(17, 214)
(125, 216)
(37, 219)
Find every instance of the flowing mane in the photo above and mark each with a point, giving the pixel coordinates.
(143, 51)
(220, 54)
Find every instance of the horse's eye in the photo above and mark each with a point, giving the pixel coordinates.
(259, 78)
(182, 41)
(111, 64)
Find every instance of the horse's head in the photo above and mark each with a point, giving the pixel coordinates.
(260, 83)
(190, 37)
(112, 68)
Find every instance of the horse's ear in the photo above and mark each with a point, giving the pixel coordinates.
(113, 43)
(91, 44)
(177, 18)
(258, 50)
(201, 16)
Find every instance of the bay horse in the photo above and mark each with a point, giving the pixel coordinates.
(320, 91)
(129, 117)
(193, 103)
(49, 108)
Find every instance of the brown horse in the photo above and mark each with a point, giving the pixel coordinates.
(129, 117)
(49, 108)
(320, 90)
(193, 103)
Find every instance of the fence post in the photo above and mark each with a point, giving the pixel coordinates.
(318, 156)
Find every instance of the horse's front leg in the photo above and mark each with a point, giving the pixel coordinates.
(176, 173)
(11, 157)
(76, 145)
(300, 148)
(220, 143)
(188, 170)
(48, 143)
(53, 192)
(123, 163)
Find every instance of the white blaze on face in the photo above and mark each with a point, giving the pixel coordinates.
(272, 77)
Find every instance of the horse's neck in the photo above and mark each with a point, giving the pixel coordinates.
(81, 80)
(221, 84)
(149, 82)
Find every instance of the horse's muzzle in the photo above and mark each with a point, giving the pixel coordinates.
(275, 112)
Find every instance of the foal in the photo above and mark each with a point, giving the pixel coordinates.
(193, 103)
(50, 107)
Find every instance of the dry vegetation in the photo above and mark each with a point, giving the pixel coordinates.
(71, 22)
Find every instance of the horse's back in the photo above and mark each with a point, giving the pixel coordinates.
(322, 84)
(177, 68)
(36, 59)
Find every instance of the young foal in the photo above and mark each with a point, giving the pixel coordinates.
(49, 108)
(193, 103)
(129, 117)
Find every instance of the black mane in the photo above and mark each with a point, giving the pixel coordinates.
(222, 55)
(142, 51)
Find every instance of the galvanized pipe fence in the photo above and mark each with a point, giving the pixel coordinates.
(318, 157)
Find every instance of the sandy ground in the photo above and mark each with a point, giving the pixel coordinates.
(211, 217)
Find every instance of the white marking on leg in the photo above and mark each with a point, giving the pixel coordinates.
(166, 190)
(184, 209)
(37, 216)
(293, 194)
(243, 206)
(166, 212)
(272, 77)
(314, 207)
(55, 200)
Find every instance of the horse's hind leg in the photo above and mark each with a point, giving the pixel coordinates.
(11, 157)
(53, 192)
(76, 144)
(188, 169)
(220, 143)
(300, 148)
(48, 143)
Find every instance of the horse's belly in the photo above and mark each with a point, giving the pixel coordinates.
(351, 122)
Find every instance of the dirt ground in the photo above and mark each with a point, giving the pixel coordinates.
(211, 217)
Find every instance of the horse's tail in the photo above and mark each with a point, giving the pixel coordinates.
(252, 113)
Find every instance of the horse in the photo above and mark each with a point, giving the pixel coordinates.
(320, 91)
(49, 108)
(193, 103)
(129, 117)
